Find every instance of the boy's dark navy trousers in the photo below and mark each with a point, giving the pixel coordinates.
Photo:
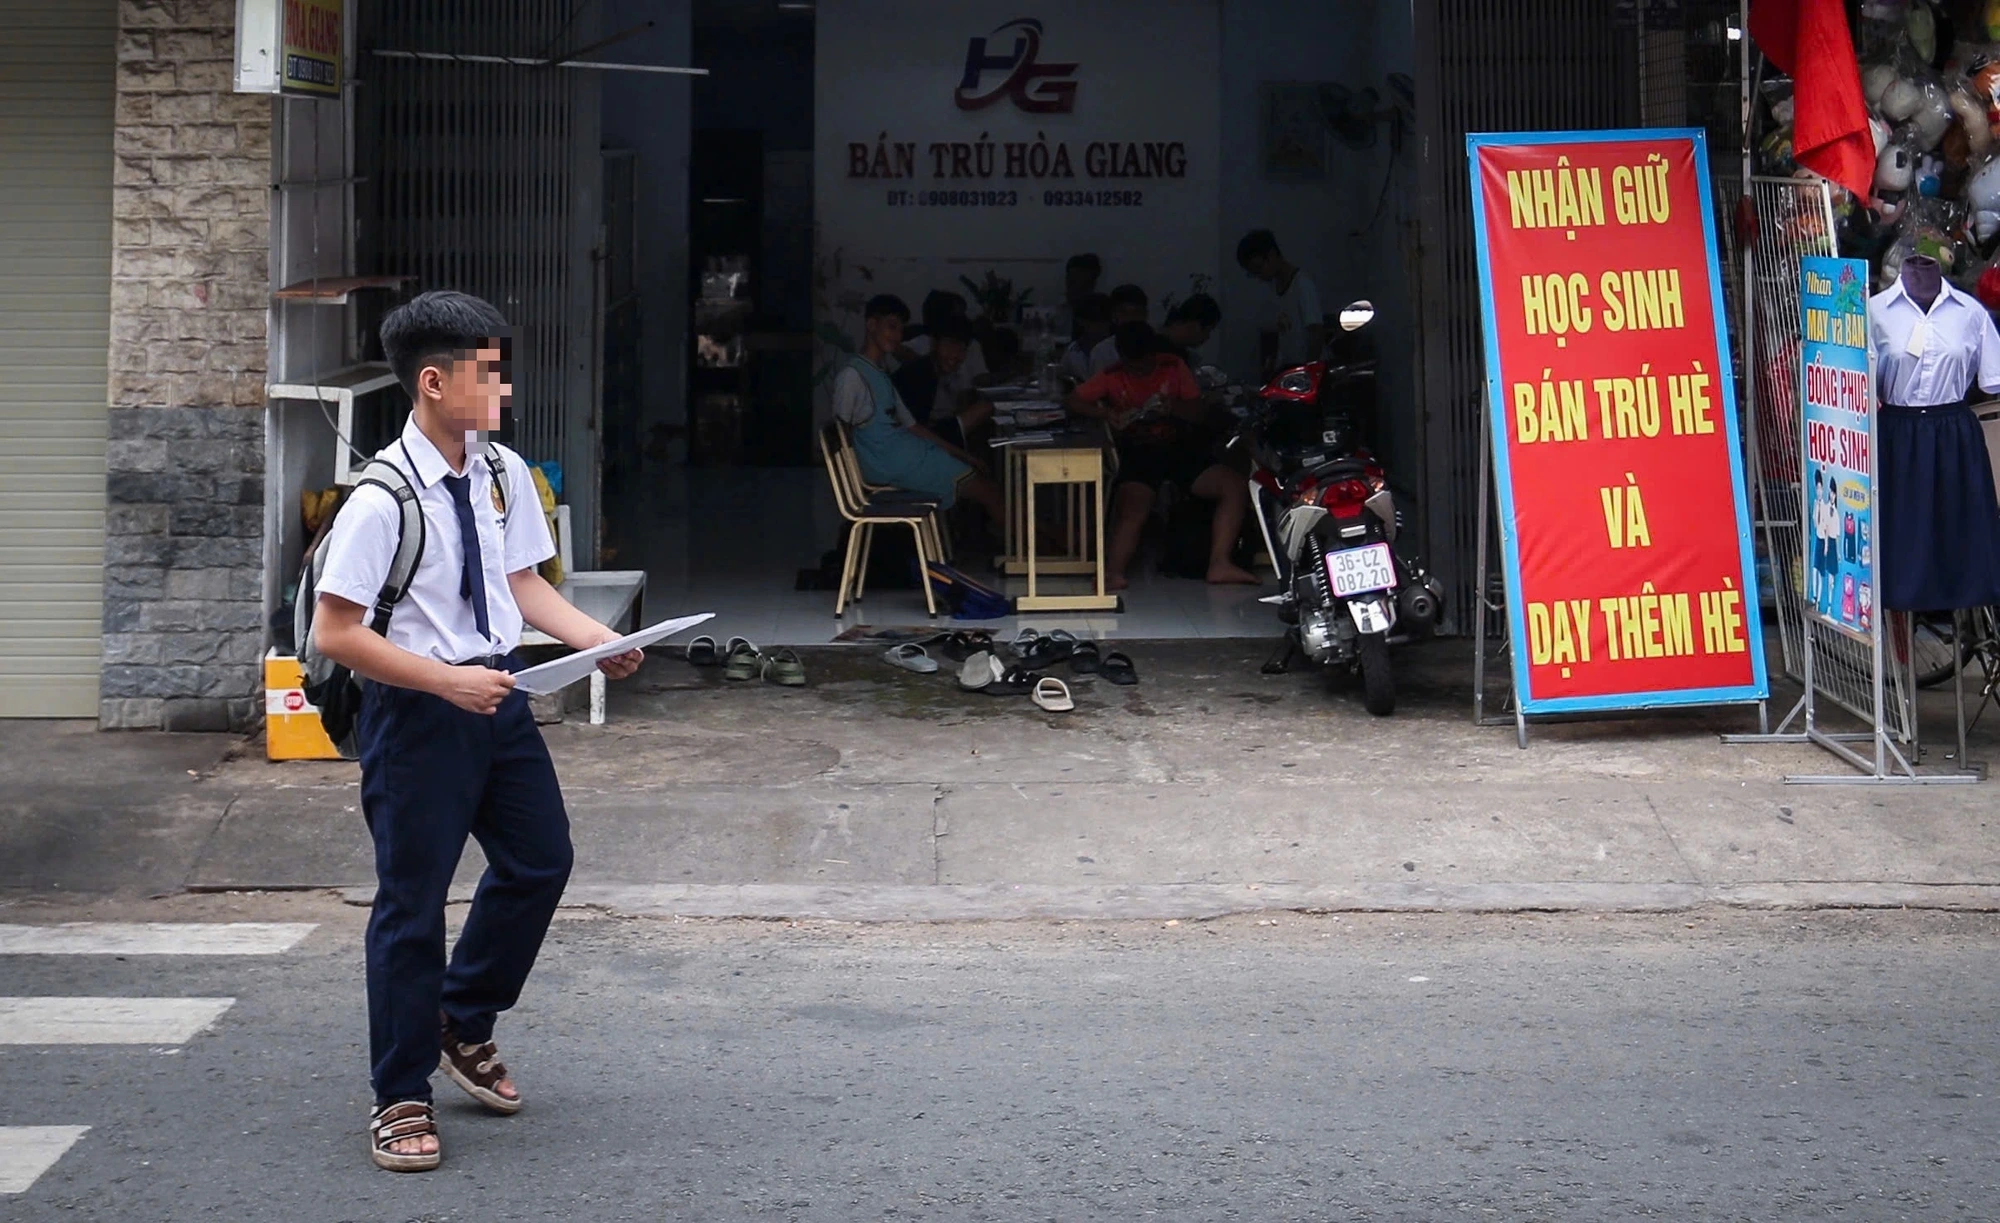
(431, 773)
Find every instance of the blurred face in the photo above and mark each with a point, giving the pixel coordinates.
(472, 390)
(1096, 330)
(1263, 267)
(949, 355)
(1079, 283)
(1189, 333)
(885, 331)
(1127, 312)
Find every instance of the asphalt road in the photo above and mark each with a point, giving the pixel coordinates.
(1734, 1066)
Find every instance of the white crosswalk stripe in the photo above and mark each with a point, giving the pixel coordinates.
(27, 1151)
(154, 938)
(106, 1021)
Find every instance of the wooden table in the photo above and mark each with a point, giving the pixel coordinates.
(1077, 467)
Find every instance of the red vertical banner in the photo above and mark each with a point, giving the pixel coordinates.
(1624, 521)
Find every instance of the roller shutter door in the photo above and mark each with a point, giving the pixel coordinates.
(57, 90)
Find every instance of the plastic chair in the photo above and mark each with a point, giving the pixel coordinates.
(864, 513)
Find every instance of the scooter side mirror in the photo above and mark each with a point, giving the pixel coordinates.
(1356, 315)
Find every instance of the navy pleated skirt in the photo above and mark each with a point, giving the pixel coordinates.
(1939, 520)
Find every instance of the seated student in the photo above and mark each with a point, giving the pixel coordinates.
(1189, 326)
(1093, 327)
(1128, 305)
(893, 448)
(1151, 404)
(939, 305)
(925, 386)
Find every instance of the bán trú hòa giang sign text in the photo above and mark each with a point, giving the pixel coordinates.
(1624, 524)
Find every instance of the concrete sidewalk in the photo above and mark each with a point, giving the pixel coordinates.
(877, 795)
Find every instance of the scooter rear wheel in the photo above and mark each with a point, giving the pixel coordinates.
(1378, 684)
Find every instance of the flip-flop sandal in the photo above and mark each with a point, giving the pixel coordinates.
(911, 657)
(1084, 659)
(702, 652)
(1025, 640)
(1045, 652)
(1017, 681)
(746, 661)
(394, 1123)
(965, 643)
(1119, 670)
(784, 668)
(1053, 695)
(979, 672)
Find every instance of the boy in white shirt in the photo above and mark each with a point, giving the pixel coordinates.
(448, 747)
(1301, 324)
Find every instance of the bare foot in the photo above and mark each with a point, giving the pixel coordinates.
(1116, 581)
(1232, 575)
(426, 1144)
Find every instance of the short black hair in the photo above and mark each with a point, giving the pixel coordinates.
(1256, 244)
(1129, 295)
(950, 328)
(440, 324)
(1084, 263)
(1201, 308)
(1094, 308)
(1135, 340)
(886, 305)
(941, 304)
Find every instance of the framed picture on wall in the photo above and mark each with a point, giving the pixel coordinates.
(1291, 132)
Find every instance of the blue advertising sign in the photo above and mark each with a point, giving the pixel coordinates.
(1838, 448)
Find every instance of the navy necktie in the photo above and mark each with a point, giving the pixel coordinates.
(472, 581)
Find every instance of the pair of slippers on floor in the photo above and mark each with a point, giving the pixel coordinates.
(742, 661)
(984, 672)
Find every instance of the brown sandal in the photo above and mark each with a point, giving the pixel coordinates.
(478, 1070)
(399, 1122)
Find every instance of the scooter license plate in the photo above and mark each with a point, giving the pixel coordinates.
(1360, 570)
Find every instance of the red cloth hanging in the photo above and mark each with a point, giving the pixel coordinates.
(1808, 40)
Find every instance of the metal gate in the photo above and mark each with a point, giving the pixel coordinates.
(486, 178)
(1487, 66)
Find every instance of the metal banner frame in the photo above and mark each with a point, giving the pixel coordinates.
(1495, 481)
(1888, 764)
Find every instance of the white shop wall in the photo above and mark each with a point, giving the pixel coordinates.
(889, 69)
(1195, 71)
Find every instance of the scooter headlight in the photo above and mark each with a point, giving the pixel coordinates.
(1298, 382)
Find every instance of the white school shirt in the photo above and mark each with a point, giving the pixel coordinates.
(854, 402)
(951, 390)
(1299, 309)
(1956, 337)
(434, 620)
(1104, 356)
(1076, 361)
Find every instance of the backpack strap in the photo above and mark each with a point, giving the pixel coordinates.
(409, 539)
(498, 466)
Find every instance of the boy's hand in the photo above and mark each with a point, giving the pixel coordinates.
(477, 689)
(618, 666)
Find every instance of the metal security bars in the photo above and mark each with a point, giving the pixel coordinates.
(1794, 220)
(485, 177)
(1487, 66)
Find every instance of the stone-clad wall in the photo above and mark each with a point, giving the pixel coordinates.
(190, 298)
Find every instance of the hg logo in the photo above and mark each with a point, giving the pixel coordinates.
(1038, 89)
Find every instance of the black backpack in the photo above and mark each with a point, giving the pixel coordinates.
(331, 687)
